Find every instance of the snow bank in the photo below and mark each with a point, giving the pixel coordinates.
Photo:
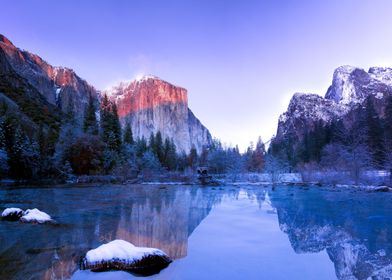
(12, 214)
(35, 216)
(122, 255)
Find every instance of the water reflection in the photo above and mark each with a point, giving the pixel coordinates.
(161, 217)
(354, 229)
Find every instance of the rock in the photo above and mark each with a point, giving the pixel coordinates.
(35, 216)
(381, 189)
(12, 214)
(150, 104)
(122, 255)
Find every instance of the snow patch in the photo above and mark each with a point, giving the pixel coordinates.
(120, 250)
(35, 215)
(10, 211)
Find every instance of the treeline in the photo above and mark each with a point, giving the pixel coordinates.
(99, 145)
(361, 141)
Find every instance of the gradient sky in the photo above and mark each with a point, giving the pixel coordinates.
(240, 60)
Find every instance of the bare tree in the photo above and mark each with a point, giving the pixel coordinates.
(275, 167)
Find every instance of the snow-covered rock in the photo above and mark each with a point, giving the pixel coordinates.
(12, 214)
(35, 216)
(122, 255)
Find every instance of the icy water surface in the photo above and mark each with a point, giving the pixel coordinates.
(247, 232)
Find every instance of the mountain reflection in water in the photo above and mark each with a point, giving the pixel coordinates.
(354, 229)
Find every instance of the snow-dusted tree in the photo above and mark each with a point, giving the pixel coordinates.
(275, 167)
(352, 152)
(67, 137)
(149, 164)
(255, 157)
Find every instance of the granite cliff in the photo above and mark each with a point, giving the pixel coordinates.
(150, 104)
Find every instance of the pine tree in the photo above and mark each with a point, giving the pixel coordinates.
(192, 157)
(141, 147)
(110, 125)
(169, 155)
(388, 123)
(116, 127)
(90, 124)
(158, 147)
(374, 134)
(128, 135)
(257, 157)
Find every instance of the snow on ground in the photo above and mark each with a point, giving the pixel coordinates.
(35, 215)
(9, 211)
(121, 250)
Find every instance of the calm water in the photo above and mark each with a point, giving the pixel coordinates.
(247, 232)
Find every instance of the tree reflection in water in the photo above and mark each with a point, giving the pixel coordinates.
(352, 227)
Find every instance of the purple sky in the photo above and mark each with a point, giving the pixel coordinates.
(240, 60)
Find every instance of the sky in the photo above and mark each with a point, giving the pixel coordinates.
(241, 61)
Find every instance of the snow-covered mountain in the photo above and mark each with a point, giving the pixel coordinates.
(150, 104)
(351, 86)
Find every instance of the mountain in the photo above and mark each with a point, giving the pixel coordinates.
(150, 104)
(41, 93)
(56, 87)
(353, 96)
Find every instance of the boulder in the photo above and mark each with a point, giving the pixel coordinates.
(12, 214)
(122, 255)
(35, 216)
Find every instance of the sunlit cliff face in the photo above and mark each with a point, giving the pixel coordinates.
(145, 92)
(149, 104)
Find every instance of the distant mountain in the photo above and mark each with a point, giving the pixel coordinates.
(150, 104)
(352, 93)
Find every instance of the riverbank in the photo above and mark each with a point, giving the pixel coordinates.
(370, 180)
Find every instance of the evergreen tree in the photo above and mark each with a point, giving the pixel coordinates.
(128, 136)
(170, 156)
(388, 123)
(110, 125)
(374, 134)
(158, 147)
(90, 124)
(151, 142)
(257, 157)
(192, 157)
(141, 147)
(116, 127)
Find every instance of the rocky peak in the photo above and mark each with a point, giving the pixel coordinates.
(5, 40)
(346, 84)
(351, 86)
(60, 86)
(145, 92)
(150, 104)
(382, 74)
